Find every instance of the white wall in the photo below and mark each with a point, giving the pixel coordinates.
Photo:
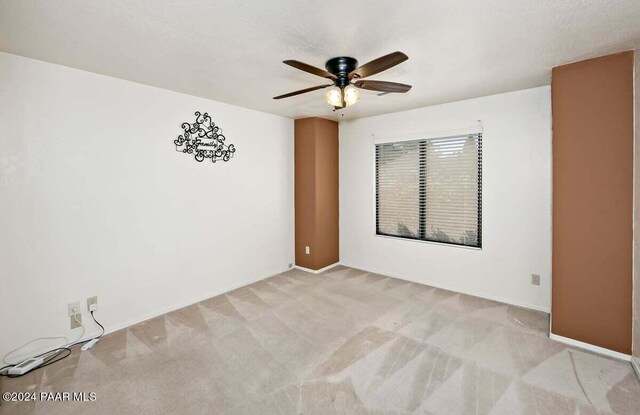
(94, 200)
(635, 344)
(516, 200)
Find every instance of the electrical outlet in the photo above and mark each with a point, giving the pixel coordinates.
(74, 308)
(307, 250)
(290, 265)
(75, 321)
(92, 303)
(535, 279)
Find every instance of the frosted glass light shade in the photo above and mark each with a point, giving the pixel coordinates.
(351, 95)
(334, 97)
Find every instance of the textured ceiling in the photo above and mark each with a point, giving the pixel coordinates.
(231, 50)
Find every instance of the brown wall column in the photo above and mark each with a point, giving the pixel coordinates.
(592, 105)
(316, 192)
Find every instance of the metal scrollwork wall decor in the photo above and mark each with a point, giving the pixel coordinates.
(204, 139)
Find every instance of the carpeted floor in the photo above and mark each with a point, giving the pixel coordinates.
(343, 342)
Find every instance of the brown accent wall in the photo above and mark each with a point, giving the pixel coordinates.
(592, 104)
(305, 190)
(316, 192)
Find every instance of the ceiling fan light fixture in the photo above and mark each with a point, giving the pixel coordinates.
(342, 97)
(351, 95)
(334, 97)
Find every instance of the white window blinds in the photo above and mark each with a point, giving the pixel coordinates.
(431, 189)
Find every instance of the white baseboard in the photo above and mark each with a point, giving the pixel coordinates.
(590, 347)
(636, 368)
(456, 289)
(316, 271)
(183, 304)
(115, 327)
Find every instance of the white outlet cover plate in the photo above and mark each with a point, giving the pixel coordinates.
(73, 306)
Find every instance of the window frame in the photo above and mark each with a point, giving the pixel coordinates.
(425, 137)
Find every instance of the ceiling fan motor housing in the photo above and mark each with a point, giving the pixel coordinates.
(341, 67)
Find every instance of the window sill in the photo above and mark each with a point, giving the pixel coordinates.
(398, 238)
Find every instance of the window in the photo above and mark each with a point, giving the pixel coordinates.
(431, 189)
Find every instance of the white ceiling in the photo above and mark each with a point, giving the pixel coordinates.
(231, 50)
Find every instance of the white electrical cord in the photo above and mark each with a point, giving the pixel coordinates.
(75, 316)
(67, 344)
(4, 359)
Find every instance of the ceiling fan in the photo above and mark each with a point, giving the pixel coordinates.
(347, 77)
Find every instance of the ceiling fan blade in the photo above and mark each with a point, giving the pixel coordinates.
(302, 91)
(382, 86)
(378, 65)
(311, 69)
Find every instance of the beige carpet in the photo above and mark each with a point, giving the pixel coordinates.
(343, 342)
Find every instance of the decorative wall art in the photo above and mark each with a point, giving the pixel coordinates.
(204, 139)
